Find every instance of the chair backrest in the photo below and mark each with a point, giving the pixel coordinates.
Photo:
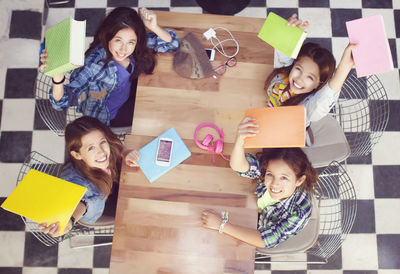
(363, 112)
(41, 163)
(337, 208)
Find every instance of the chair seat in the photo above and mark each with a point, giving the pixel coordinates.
(102, 221)
(302, 241)
(330, 143)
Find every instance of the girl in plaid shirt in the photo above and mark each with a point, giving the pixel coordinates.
(285, 181)
(120, 52)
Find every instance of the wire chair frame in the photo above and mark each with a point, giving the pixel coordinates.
(337, 204)
(46, 165)
(363, 112)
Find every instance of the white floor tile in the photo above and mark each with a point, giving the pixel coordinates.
(27, 55)
(390, 81)
(253, 12)
(91, 4)
(387, 217)
(154, 3)
(18, 114)
(388, 19)
(338, 46)
(320, 271)
(388, 271)
(12, 248)
(3, 72)
(396, 4)
(77, 258)
(8, 175)
(345, 4)
(363, 181)
(41, 140)
(55, 16)
(282, 3)
(289, 258)
(359, 251)
(387, 150)
(262, 272)
(39, 270)
(102, 271)
(187, 9)
(320, 21)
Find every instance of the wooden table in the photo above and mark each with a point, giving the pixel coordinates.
(158, 227)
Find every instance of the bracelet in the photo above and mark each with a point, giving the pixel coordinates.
(72, 220)
(225, 217)
(57, 83)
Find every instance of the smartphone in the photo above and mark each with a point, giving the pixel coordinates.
(210, 54)
(164, 151)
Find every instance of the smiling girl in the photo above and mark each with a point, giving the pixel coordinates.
(95, 158)
(285, 181)
(120, 52)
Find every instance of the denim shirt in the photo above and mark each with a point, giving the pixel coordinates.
(95, 201)
(92, 84)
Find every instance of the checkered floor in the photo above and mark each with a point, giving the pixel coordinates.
(374, 243)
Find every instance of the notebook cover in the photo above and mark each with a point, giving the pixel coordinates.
(44, 198)
(147, 161)
(278, 127)
(59, 47)
(372, 54)
(278, 34)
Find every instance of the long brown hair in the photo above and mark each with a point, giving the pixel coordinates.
(296, 159)
(73, 140)
(121, 18)
(321, 56)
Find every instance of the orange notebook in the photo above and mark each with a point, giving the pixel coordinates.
(279, 127)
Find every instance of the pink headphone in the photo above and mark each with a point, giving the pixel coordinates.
(206, 144)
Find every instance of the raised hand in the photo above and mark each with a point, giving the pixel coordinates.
(149, 19)
(294, 21)
(247, 128)
(132, 158)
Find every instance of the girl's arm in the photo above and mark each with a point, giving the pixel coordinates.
(238, 160)
(343, 69)
(150, 21)
(58, 89)
(213, 221)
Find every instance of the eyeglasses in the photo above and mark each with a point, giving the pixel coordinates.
(220, 70)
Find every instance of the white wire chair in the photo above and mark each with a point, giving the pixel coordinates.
(104, 227)
(337, 205)
(363, 112)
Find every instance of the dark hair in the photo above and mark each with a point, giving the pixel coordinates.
(121, 18)
(73, 140)
(321, 56)
(296, 159)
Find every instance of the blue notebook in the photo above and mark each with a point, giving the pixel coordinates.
(147, 161)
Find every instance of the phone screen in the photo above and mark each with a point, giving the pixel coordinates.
(164, 151)
(208, 51)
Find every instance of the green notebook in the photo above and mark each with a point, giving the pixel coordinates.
(278, 34)
(65, 46)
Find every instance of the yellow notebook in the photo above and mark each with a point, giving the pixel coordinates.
(44, 198)
(278, 127)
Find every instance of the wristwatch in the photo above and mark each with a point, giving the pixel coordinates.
(225, 216)
(72, 220)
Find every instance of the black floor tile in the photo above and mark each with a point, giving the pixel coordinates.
(365, 217)
(156, 8)
(20, 83)
(392, 44)
(123, 3)
(289, 272)
(19, 27)
(354, 87)
(367, 160)
(396, 14)
(37, 254)
(74, 271)
(283, 12)
(334, 262)
(10, 221)
(359, 142)
(339, 18)
(1, 110)
(323, 42)
(185, 3)
(54, 4)
(380, 115)
(263, 266)
(388, 251)
(314, 3)
(377, 4)
(10, 270)
(102, 254)
(15, 146)
(93, 18)
(394, 117)
(386, 181)
(360, 272)
(38, 123)
(256, 3)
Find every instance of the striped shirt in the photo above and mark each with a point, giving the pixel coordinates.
(283, 219)
(278, 95)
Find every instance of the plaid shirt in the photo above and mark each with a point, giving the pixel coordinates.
(92, 84)
(283, 219)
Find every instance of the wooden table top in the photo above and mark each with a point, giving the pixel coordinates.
(158, 227)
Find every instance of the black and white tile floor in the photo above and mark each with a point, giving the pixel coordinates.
(374, 243)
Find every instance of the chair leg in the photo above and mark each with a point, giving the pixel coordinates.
(77, 246)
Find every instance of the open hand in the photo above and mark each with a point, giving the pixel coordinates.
(247, 128)
(294, 21)
(43, 59)
(211, 219)
(132, 158)
(149, 18)
(54, 229)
